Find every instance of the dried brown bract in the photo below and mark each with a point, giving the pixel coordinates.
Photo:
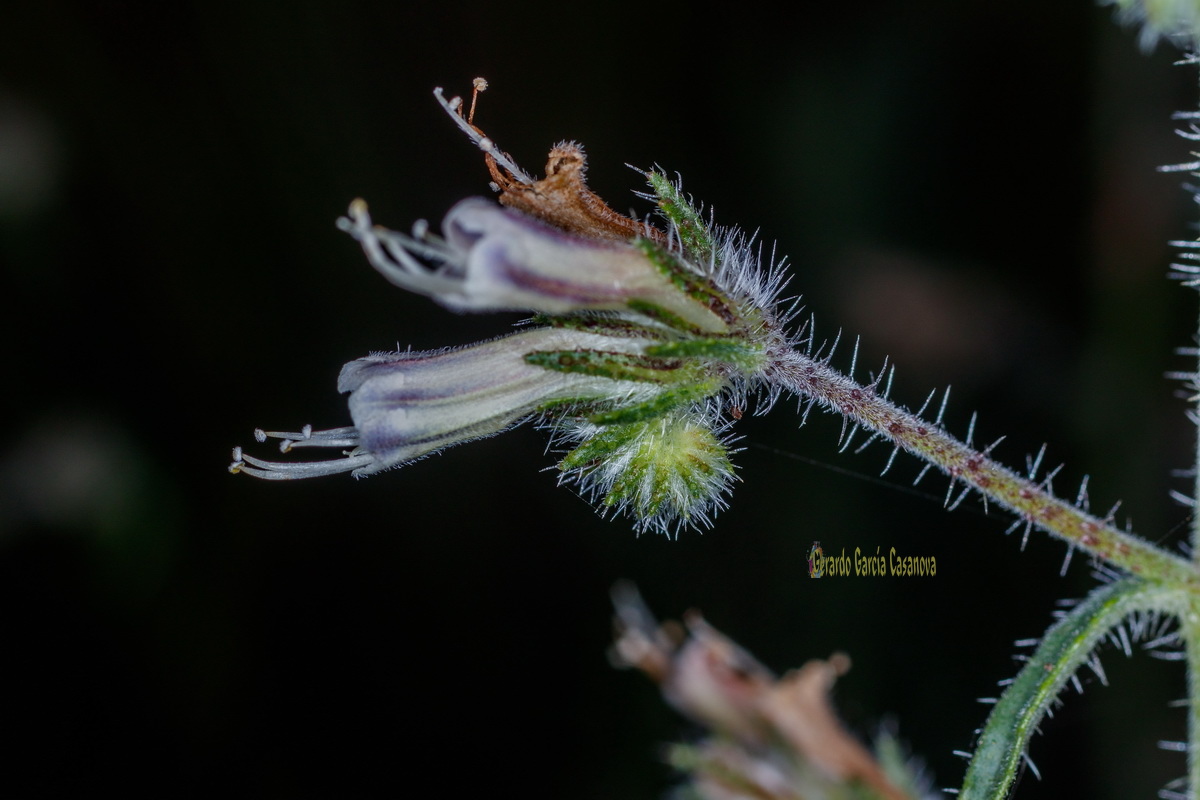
(774, 737)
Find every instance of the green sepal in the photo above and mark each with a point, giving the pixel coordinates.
(664, 317)
(728, 351)
(672, 462)
(659, 405)
(694, 234)
(599, 447)
(617, 366)
(688, 282)
(603, 325)
(574, 407)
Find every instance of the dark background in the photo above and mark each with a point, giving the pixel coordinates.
(970, 187)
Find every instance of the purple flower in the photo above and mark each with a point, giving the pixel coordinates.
(406, 405)
(492, 259)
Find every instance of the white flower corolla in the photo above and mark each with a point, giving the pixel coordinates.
(496, 259)
(406, 405)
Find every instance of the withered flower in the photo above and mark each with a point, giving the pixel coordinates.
(771, 738)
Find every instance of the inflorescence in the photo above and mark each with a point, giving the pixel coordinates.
(647, 340)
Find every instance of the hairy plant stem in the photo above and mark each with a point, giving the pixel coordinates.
(1189, 624)
(1033, 502)
(1069, 644)
(1194, 385)
(1189, 627)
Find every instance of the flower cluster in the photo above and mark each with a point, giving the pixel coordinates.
(643, 338)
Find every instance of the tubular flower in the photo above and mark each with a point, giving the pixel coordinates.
(496, 259)
(642, 337)
(406, 405)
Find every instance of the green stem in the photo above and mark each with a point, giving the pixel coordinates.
(1033, 502)
(1195, 386)
(1067, 645)
(1189, 625)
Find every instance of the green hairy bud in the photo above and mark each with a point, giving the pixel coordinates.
(672, 470)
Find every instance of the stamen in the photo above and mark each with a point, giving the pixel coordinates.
(454, 109)
(286, 471)
(306, 437)
(347, 441)
(392, 254)
(478, 85)
(428, 246)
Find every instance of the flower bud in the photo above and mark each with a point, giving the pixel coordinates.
(669, 470)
